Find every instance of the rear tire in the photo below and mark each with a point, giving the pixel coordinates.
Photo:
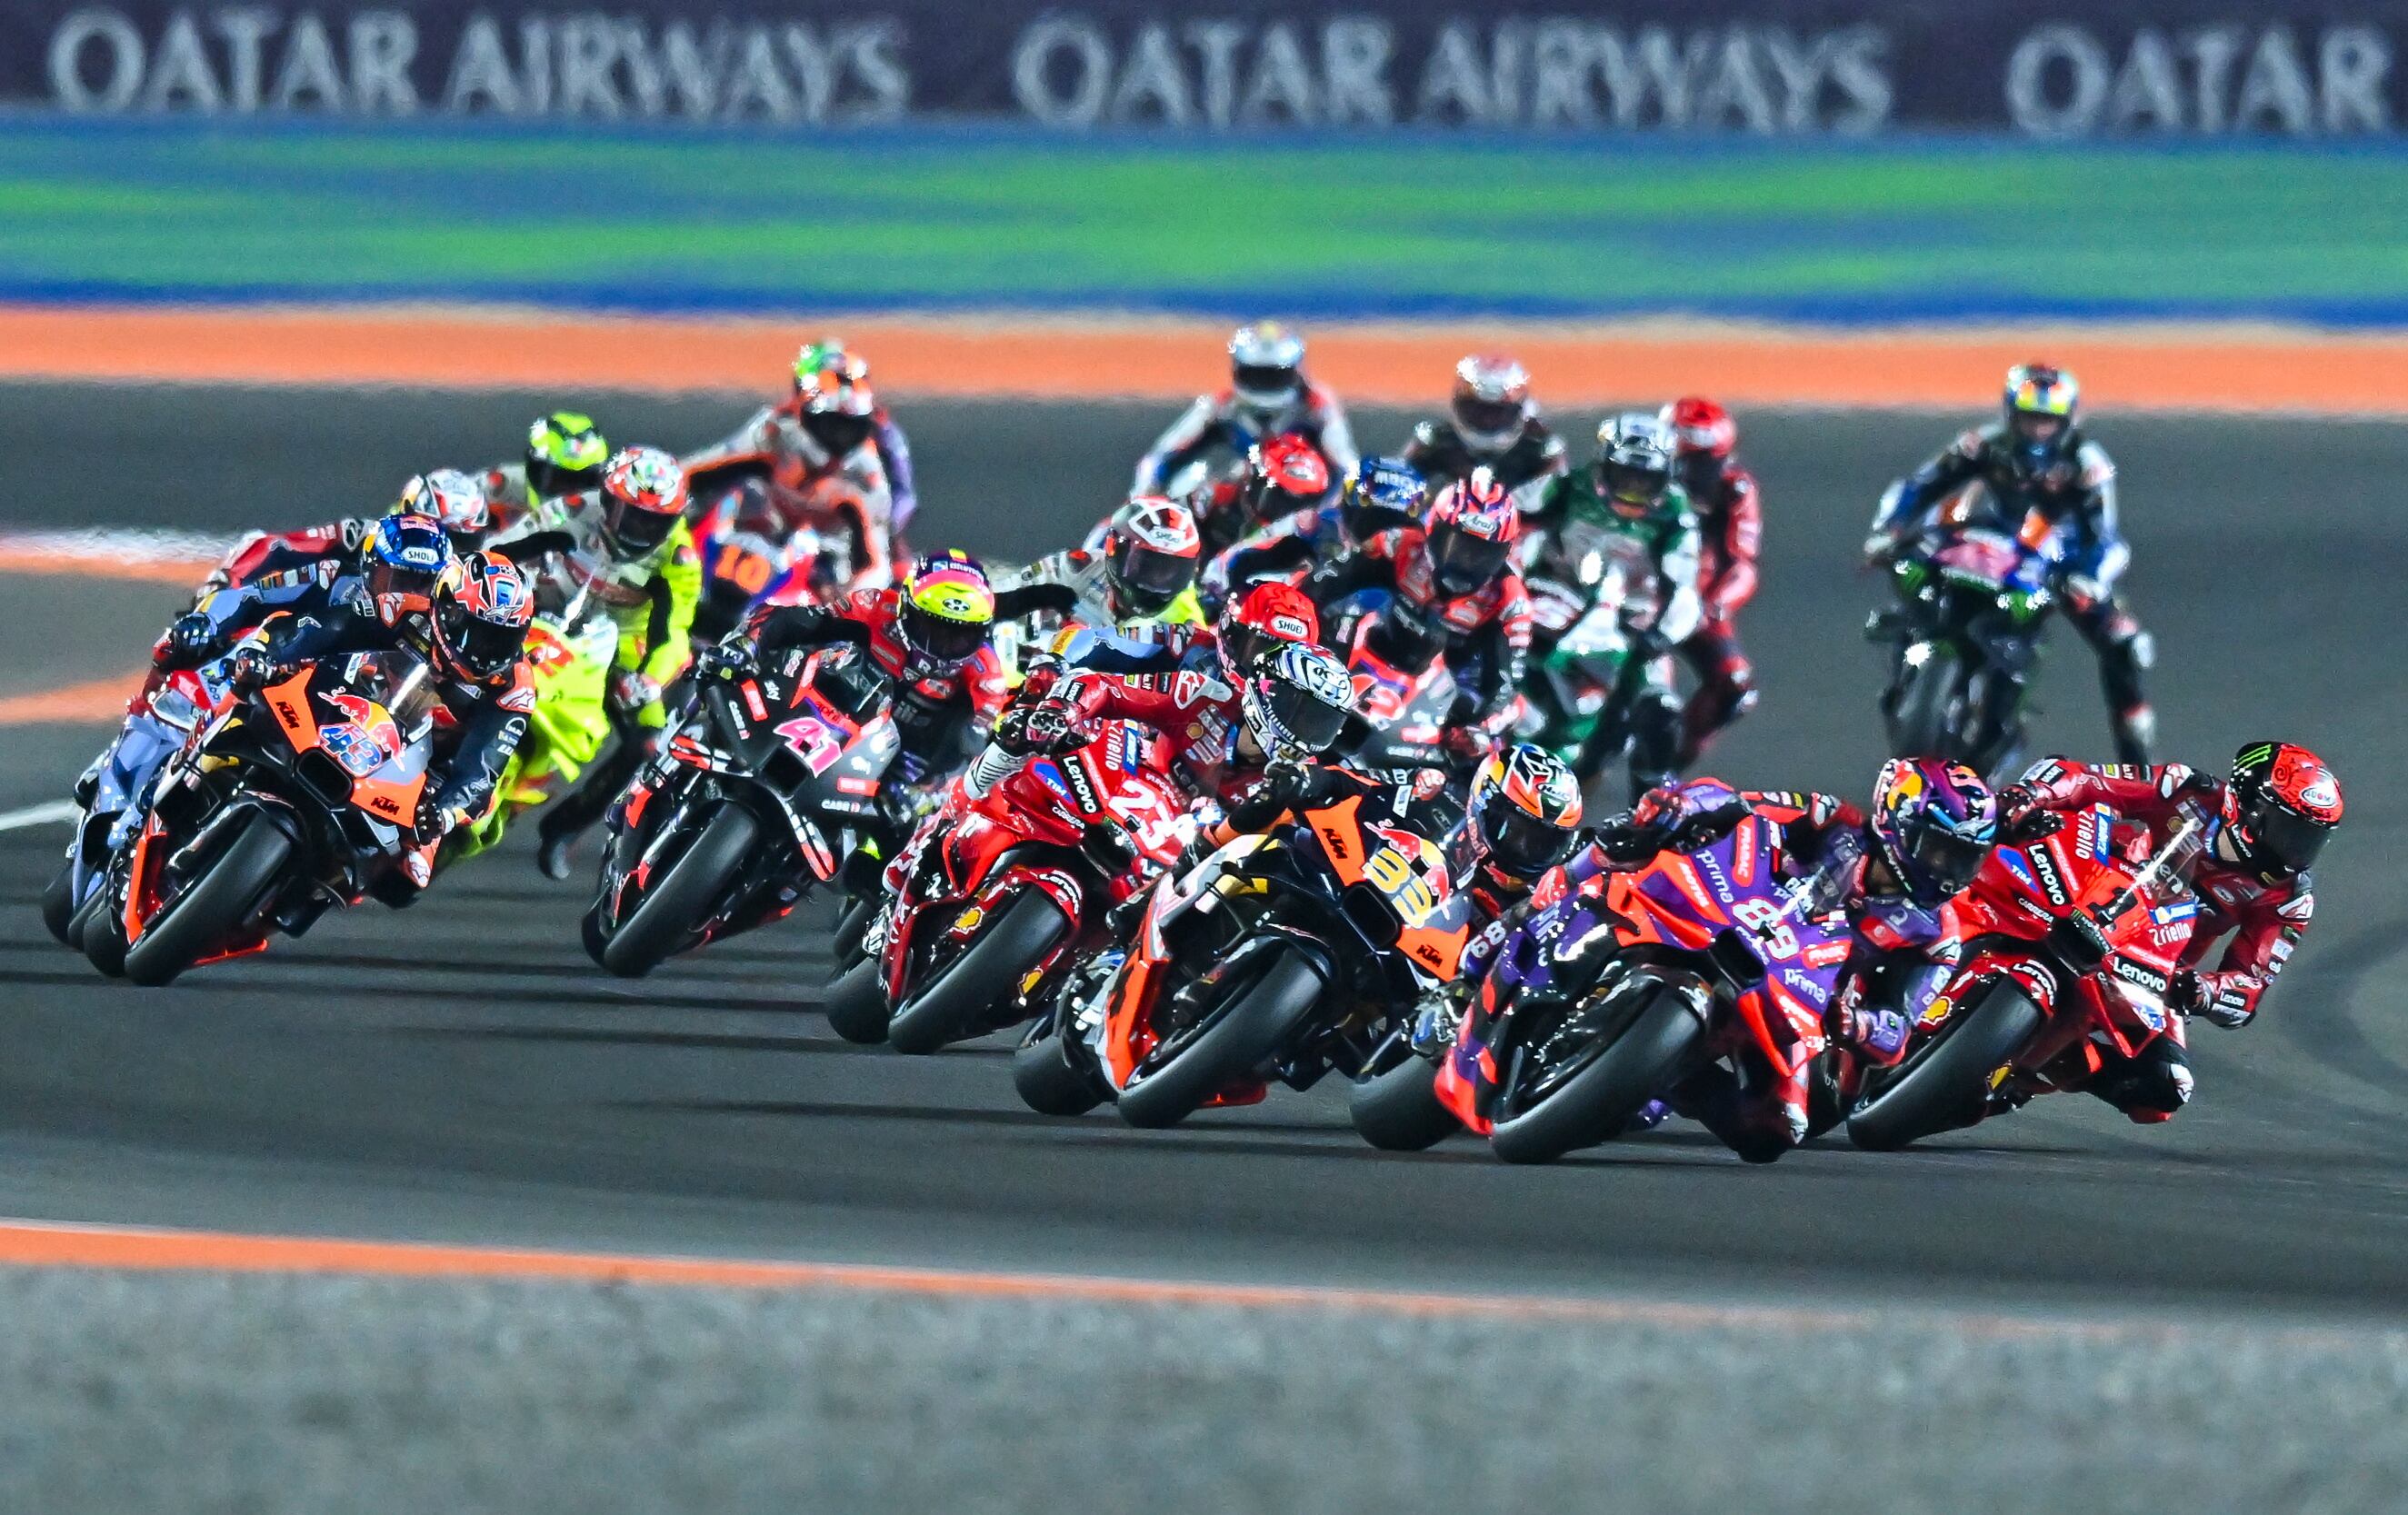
(1398, 1110)
(856, 1003)
(1263, 1016)
(198, 920)
(670, 909)
(1923, 727)
(1046, 1079)
(1597, 1104)
(955, 1003)
(1945, 1084)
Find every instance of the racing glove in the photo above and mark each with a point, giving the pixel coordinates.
(435, 818)
(2021, 819)
(631, 691)
(190, 639)
(252, 667)
(1047, 726)
(2189, 994)
(730, 659)
(1622, 841)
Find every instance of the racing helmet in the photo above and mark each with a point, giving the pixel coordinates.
(453, 499)
(947, 609)
(1525, 809)
(1472, 526)
(482, 616)
(564, 454)
(1933, 823)
(2281, 806)
(1268, 614)
(643, 497)
(833, 400)
(1380, 494)
(1265, 367)
(404, 560)
(1284, 476)
(1703, 439)
(1491, 402)
(1634, 465)
(2040, 404)
(1296, 700)
(1151, 554)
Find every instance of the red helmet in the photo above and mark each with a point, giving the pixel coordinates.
(1151, 553)
(1270, 613)
(1284, 476)
(1472, 526)
(481, 617)
(1703, 437)
(2281, 806)
(643, 495)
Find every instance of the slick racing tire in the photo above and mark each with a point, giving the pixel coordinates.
(1597, 1102)
(213, 907)
(1250, 1026)
(852, 922)
(1931, 709)
(1045, 1077)
(100, 934)
(954, 1003)
(1943, 1084)
(58, 906)
(1398, 1110)
(855, 1006)
(676, 902)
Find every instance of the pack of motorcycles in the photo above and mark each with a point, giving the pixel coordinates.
(1329, 945)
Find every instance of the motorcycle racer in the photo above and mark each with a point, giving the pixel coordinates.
(2269, 819)
(624, 546)
(1730, 525)
(1380, 494)
(451, 497)
(1453, 586)
(1626, 505)
(1144, 574)
(1285, 477)
(2040, 473)
(1493, 423)
(565, 455)
(391, 577)
(1268, 395)
(1893, 871)
(817, 451)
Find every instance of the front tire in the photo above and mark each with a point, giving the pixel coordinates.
(58, 905)
(670, 909)
(213, 907)
(1931, 709)
(1045, 1077)
(1945, 1084)
(954, 1004)
(856, 1003)
(1398, 1110)
(1255, 1024)
(1597, 1103)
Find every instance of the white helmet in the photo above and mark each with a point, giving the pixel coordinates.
(1266, 366)
(1296, 699)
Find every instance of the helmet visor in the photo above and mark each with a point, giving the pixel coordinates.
(634, 532)
(1520, 842)
(1947, 860)
(1463, 563)
(1631, 490)
(838, 432)
(482, 647)
(1149, 579)
(940, 637)
(399, 590)
(1265, 383)
(1480, 418)
(1300, 718)
(2288, 836)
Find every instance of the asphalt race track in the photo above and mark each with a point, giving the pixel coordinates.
(462, 1073)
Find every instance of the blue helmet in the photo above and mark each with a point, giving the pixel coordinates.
(403, 562)
(1381, 494)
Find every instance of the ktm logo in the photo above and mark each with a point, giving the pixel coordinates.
(1335, 841)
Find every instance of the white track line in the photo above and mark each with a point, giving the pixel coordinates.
(57, 812)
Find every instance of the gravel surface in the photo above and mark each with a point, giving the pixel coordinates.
(262, 1393)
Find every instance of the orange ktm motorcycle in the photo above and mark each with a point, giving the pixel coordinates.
(290, 800)
(1280, 956)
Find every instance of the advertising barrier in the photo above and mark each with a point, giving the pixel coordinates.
(2101, 68)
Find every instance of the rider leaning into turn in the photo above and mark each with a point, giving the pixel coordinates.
(624, 546)
(1625, 500)
(1285, 478)
(1268, 397)
(2041, 476)
(447, 496)
(1894, 871)
(1730, 529)
(2267, 821)
(1142, 577)
(1452, 587)
(817, 452)
(1490, 423)
(565, 455)
(1381, 494)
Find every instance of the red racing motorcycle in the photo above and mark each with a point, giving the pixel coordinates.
(1003, 894)
(2071, 942)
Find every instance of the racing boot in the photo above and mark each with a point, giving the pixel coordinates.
(2136, 735)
